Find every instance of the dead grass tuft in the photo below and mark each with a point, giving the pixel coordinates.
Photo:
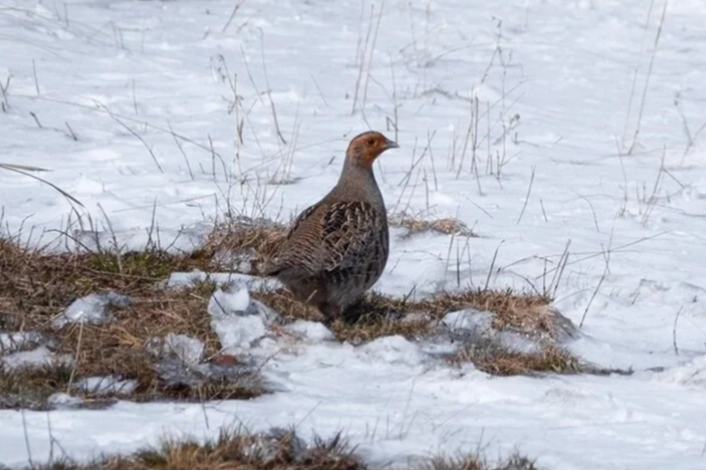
(245, 240)
(476, 461)
(31, 387)
(278, 449)
(415, 225)
(501, 361)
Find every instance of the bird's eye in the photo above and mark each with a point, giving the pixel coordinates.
(371, 141)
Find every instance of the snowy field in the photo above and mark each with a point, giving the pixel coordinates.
(592, 113)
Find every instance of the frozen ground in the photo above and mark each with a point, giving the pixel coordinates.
(560, 96)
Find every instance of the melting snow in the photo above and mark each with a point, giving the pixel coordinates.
(40, 356)
(106, 385)
(91, 309)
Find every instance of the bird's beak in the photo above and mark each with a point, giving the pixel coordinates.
(390, 144)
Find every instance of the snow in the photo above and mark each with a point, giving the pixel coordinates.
(238, 333)
(178, 279)
(692, 373)
(392, 350)
(224, 303)
(311, 331)
(554, 108)
(468, 319)
(188, 349)
(470, 326)
(64, 401)
(237, 320)
(91, 309)
(37, 357)
(10, 341)
(106, 385)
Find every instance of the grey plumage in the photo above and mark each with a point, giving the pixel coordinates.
(338, 247)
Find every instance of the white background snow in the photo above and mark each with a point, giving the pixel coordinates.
(560, 86)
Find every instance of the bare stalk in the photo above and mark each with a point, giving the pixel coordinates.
(529, 191)
(269, 93)
(36, 80)
(674, 331)
(647, 80)
(236, 7)
(363, 54)
(132, 131)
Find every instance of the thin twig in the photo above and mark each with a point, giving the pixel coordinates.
(78, 351)
(232, 15)
(131, 131)
(598, 287)
(563, 261)
(21, 170)
(269, 91)
(101, 108)
(36, 119)
(181, 149)
(529, 190)
(36, 80)
(647, 80)
(28, 448)
(544, 213)
(73, 134)
(634, 77)
(492, 265)
(363, 54)
(674, 331)
(4, 88)
(370, 59)
(134, 97)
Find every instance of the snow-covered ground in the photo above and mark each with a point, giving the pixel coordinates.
(132, 106)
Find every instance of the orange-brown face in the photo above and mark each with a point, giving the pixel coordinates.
(366, 147)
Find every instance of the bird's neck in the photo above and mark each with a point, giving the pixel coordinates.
(358, 180)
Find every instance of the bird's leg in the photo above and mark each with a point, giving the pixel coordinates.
(330, 311)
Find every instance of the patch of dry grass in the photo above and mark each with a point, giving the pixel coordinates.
(36, 287)
(500, 361)
(30, 388)
(477, 461)
(281, 449)
(416, 225)
(254, 240)
(375, 315)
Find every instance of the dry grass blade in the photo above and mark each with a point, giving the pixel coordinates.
(24, 170)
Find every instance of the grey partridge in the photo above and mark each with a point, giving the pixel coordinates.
(338, 247)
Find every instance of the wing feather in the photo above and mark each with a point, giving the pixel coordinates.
(338, 237)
